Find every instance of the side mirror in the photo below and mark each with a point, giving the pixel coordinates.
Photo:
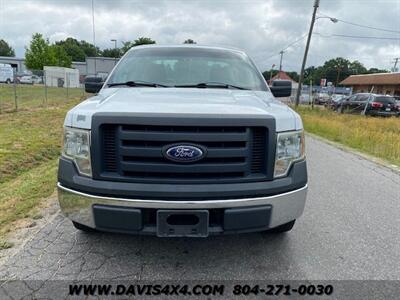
(281, 88)
(93, 84)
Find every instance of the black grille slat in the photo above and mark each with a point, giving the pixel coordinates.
(180, 176)
(183, 136)
(206, 160)
(258, 150)
(216, 144)
(186, 129)
(143, 151)
(135, 153)
(110, 149)
(181, 168)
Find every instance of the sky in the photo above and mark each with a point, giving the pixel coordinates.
(260, 27)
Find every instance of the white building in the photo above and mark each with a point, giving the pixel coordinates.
(92, 65)
(61, 77)
(18, 64)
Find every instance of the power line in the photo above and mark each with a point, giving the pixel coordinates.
(285, 48)
(364, 26)
(298, 40)
(357, 36)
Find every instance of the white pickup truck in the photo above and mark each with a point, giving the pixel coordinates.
(183, 141)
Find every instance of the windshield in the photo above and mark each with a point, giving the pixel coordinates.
(179, 66)
(384, 100)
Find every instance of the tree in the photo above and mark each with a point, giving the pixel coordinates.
(111, 52)
(6, 49)
(269, 74)
(73, 49)
(335, 70)
(309, 74)
(140, 41)
(39, 54)
(356, 67)
(376, 70)
(294, 75)
(89, 49)
(189, 41)
(59, 57)
(78, 50)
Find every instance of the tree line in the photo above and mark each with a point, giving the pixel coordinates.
(41, 52)
(333, 70)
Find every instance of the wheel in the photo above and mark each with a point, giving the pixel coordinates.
(8, 81)
(283, 228)
(84, 228)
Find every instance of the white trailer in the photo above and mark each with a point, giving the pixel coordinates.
(6, 73)
(61, 77)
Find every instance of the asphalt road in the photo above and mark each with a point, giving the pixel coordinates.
(349, 230)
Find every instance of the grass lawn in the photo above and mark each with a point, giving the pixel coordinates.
(34, 96)
(30, 143)
(379, 137)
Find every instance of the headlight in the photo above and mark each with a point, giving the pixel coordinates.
(77, 148)
(289, 148)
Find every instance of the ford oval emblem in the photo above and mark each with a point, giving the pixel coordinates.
(184, 152)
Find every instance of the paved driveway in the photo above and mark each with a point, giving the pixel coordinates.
(350, 230)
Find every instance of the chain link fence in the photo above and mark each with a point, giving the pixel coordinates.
(41, 88)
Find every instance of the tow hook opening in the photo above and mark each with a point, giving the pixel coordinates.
(183, 219)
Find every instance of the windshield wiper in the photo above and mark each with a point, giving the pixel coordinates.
(137, 83)
(204, 85)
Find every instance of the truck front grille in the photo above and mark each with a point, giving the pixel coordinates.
(134, 153)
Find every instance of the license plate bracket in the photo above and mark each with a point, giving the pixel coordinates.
(182, 223)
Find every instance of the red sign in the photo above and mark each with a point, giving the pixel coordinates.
(323, 82)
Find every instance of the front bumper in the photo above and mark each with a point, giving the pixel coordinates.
(383, 113)
(133, 207)
(282, 208)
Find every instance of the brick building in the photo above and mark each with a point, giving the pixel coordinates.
(383, 83)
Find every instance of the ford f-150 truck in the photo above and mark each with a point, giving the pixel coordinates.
(183, 141)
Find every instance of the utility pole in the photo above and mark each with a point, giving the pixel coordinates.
(115, 50)
(270, 73)
(396, 60)
(94, 39)
(303, 65)
(280, 64)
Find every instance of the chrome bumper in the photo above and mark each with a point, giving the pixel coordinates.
(77, 206)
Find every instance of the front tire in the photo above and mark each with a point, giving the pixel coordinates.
(83, 228)
(283, 228)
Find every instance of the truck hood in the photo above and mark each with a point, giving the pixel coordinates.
(185, 101)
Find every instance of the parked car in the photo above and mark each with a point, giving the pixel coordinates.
(30, 79)
(321, 98)
(304, 99)
(183, 141)
(335, 101)
(397, 103)
(370, 104)
(6, 73)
